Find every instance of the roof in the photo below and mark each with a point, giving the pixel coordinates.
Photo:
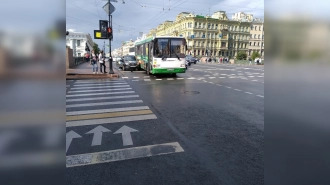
(152, 38)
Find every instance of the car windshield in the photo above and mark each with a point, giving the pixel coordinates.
(173, 48)
(129, 58)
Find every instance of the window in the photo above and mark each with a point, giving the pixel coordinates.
(250, 43)
(79, 54)
(254, 43)
(208, 26)
(255, 35)
(263, 44)
(259, 28)
(262, 36)
(258, 36)
(251, 36)
(78, 42)
(251, 27)
(255, 27)
(258, 43)
(188, 34)
(223, 44)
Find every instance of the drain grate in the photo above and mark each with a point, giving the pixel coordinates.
(190, 92)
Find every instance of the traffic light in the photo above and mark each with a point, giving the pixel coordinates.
(103, 28)
(86, 48)
(110, 36)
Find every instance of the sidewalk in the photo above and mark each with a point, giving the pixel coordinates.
(84, 71)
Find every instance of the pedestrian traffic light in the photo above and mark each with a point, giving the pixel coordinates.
(86, 48)
(104, 28)
(110, 36)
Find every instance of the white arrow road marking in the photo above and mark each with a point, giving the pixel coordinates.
(69, 136)
(98, 131)
(126, 134)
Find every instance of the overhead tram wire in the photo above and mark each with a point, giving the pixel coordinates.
(84, 9)
(169, 10)
(157, 16)
(97, 9)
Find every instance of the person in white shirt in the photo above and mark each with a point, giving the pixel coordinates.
(102, 61)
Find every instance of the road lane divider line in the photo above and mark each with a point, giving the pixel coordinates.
(159, 79)
(228, 87)
(237, 90)
(72, 113)
(125, 77)
(146, 79)
(135, 80)
(102, 98)
(107, 115)
(110, 120)
(260, 96)
(103, 103)
(179, 78)
(123, 154)
(248, 93)
(100, 90)
(96, 94)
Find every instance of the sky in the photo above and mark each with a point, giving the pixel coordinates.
(136, 16)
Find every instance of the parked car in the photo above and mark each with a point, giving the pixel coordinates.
(128, 62)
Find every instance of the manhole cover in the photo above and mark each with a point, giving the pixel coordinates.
(191, 92)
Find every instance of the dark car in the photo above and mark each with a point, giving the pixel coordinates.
(128, 62)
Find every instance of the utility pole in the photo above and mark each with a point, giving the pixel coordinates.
(110, 56)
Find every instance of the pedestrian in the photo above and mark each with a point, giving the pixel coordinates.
(250, 61)
(87, 57)
(94, 62)
(102, 62)
(220, 60)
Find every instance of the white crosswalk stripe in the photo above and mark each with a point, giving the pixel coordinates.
(100, 90)
(102, 98)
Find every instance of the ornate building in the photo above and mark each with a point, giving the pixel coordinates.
(214, 35)
(256, 42)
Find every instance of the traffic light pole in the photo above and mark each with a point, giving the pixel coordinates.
(110, 56)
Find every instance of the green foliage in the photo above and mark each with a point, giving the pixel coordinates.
(241, 55)
(96, 48)
(255, 55)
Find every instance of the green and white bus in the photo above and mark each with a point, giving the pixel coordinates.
(162, 55)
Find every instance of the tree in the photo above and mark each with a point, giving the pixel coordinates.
(255, 55)
(96, 48)
(241, 55)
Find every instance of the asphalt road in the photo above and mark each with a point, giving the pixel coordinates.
(202, 127)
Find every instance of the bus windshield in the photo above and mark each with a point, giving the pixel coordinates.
(169, 48)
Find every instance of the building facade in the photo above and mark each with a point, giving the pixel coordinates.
(214, 35)
(256, 42)
(243, 17)
(77, 42)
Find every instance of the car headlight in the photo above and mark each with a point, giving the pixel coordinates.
(126, 63)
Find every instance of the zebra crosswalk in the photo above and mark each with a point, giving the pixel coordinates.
(99, 106)
(95, 97)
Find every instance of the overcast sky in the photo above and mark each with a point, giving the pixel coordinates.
(142, 15)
